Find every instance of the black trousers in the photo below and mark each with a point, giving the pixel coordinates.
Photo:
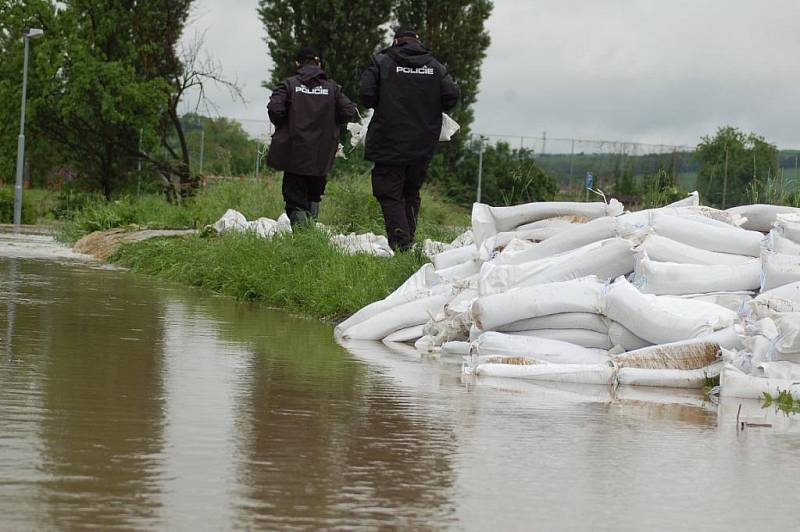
(299, 192)
(397, 190)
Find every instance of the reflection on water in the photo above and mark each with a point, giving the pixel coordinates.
(126, 404)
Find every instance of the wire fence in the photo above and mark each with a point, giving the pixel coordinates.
(568, 159)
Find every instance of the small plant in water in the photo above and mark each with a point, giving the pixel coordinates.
(784, 402)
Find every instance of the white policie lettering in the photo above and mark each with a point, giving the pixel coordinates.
(316, 91)
(421, 70)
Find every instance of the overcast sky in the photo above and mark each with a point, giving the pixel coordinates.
(661, 72)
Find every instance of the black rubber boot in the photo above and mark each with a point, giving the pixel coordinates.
(298, 218)
(313, 207)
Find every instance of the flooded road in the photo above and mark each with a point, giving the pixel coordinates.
(126, 403)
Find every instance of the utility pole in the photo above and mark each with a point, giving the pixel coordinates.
(202, 147)
(725, 181)
(27, 35)
(544, 142)
(571, 162)
(139, 164)
(480, 168)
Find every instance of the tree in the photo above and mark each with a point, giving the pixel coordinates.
(14, 16)
(455, 31)
(105, 74)
(510, 176)
(734, 166)
(228, 149)
(344, 32)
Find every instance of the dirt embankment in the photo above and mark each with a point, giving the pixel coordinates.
(103, 244)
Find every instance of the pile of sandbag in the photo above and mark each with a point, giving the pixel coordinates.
(368, 243)
(588, 293)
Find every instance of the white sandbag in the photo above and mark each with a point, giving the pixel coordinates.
(456, 348)
(663, 249)
(606, 260)
(496, 278)
(669, 378)
(464, 239)
(552, 226)
(454, 257)
(568, 373)
(784, 298)
(580, 295)
(449, 128)
(712, 238)
(707, 215)
(410, 334)
(735, 301)
(726, 338)
(431, 248)
(734, 383)
(694, 354)
(415, 287)
(619, 335)
(758, 338)
(778, 370)
(670, 278)
(788, 225)
(512, 249)
(581, 337)
(661, 319)
(407, 315)
(565, 320)
(488, 221)
(552, 351)
(779, 270)
(461, 272)
(367, 243)
(761, 217)
(453, 322)
(780, 244)
(594, 231)
(787, 345)
(426, 344)
(232, 220)
(267, 228)
(692, 200)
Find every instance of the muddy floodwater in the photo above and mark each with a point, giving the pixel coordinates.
(127, 403)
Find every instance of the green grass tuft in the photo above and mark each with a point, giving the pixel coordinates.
(300, 272)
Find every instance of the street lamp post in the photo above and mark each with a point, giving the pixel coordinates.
(27, 35)
(481, 140)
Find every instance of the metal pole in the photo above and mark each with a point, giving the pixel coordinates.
(139, 164)
(258, 159)
(21, 140)
(725, 181)
(202, 147)
(571, 161)
(480, 167)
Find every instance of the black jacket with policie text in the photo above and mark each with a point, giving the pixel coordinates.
(308, 110)
(409, 89)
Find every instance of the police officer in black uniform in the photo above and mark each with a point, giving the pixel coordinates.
(308, 110)
(409, 89)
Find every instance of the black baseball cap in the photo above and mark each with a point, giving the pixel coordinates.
(405, 31)
(306, 52)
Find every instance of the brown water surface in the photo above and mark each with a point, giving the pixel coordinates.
(126, 403)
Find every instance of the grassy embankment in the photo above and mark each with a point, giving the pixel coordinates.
(300, 272)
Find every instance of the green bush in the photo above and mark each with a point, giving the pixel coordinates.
(7, 207)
